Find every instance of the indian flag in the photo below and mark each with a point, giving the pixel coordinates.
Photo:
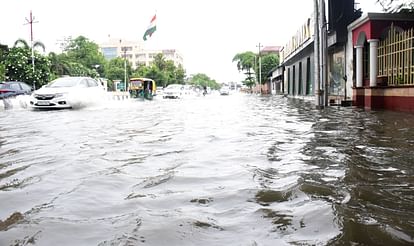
(151, 28)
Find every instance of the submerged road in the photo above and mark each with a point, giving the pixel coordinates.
(214, 170)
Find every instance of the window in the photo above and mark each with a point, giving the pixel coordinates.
(92, 83)
(300, 92)
(308, 78)
(288, 80)
(83, 83)
(15, 86)
(25, 87)
(140, 56)
(293, 80)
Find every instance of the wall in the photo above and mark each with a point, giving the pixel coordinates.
(394, 98)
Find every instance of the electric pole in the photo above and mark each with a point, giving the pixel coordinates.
(125, 65)
(30, 22)
(324, 53)
(316, 56)
(260, 67)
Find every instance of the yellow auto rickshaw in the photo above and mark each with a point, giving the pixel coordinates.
(143, 88)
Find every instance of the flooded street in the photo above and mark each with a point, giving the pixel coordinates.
(215, 170)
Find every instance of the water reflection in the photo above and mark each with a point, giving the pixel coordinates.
(234, 170)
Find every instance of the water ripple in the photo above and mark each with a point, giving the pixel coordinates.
(236, 170)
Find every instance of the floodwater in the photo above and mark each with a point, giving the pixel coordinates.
(214, 170)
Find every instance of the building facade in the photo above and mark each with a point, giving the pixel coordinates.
(382, 56)
(298, 56)
(297, 63)
(134, 52)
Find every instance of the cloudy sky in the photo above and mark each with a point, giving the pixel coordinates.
(208, 33)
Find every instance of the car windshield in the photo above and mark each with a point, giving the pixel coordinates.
(64, 82)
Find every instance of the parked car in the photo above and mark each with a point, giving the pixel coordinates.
(67, 92)
(173, 91)
(14, 88)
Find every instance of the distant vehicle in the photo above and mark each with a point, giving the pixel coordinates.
(143, 88)
(67, 92)
(14, 88)
(225, 90)
(173, 91)
(189, 91)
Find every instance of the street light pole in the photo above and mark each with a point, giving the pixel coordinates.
(125, 66)
(125, 71)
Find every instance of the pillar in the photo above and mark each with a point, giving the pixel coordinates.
(359, 66)
(373, 62)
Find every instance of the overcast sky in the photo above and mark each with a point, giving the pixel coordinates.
(208, 33)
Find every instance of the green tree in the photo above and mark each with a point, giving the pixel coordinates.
(162, 71)
(2, 72)
(115, 69)
(85, 52)
(4, 49)
(394, 6)
(268, 62)
(59, 64)
(22, 43)
(18, 65)
(245, 63)
(178, 75)
(201, 80)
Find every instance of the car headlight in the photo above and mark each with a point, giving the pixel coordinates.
(60, 95)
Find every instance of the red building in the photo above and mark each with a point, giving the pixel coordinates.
(383, 61)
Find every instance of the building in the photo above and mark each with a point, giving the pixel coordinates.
(382, 56)
(298, 56)
(277, 80)
(366, 60)
(134, 52)
(269, 87)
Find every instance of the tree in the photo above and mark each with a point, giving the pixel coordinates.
(4, 50)
(245, 62)
(394, 6)
(19, 67)
(58, 64)
(24, 44)
(2, 72)
(162, 71)
(268, 62)
(115, 70)
(202, 80)
(82, 51)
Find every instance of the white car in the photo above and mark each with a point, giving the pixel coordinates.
(67, 92)
(225, 90)
(173, 91)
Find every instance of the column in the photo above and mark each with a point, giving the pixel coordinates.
(373, 60)
(359, 65)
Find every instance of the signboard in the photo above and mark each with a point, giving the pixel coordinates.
(120, 86)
